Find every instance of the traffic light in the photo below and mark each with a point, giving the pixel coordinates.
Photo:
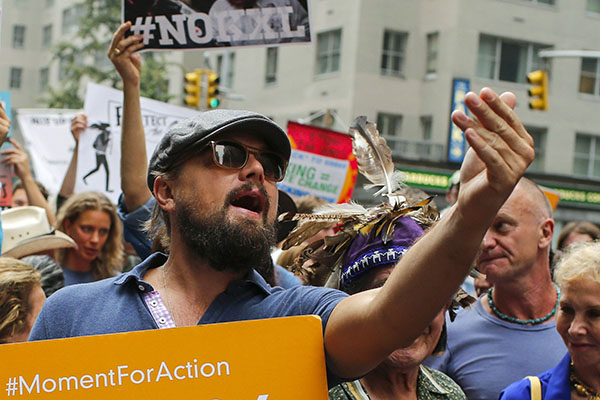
(539, 90)
(212, 90)
(193, 88)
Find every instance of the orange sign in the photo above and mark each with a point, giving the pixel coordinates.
(272, 359)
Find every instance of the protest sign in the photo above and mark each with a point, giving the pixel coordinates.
(322, 164)
(185, 24)
(274, 359)
(5, 101)
(48, 140)
(7, 173)
(98, 162)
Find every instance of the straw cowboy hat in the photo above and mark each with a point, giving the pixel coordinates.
(27, 231)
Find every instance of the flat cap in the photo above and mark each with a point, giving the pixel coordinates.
(204, 127)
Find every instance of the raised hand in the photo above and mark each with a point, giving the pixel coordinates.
(17, 157)
(501, 149)
(78, 125)
(122, 54)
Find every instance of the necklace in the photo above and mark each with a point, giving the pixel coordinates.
(535, 321)
(164, 276)
(580, 388)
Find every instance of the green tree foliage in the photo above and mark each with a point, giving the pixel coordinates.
(83, 58)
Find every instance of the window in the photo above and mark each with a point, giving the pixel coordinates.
(586, 160)
(593, 6)
(507, 60)
(589, 80)
(393, 53)
(432, 53)
(328, 52)
(46, 36)
(70, 19)
(63, 67)
(426, 127)
(271, 72)
(225, 68)
(16, 76)
(389, 124)
(44, 77)
(18, 39)
(549, 2)
(539, 144)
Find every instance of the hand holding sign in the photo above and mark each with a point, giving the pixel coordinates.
(121, 53)
(78, 125)
(18, 159)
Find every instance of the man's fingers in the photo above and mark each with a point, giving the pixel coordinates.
(502, 161)
(16, 144)
(493, 113)
(497, 170)
(505, 110)
(118, 36)
(131, 48)
(463, 121)
(509, 99)
(125, 45)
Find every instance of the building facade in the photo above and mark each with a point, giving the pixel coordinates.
(394, 61)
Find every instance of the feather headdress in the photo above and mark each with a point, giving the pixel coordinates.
(374, 159)
(321, 262)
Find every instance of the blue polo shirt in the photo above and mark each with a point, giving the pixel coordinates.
(133, 222)
(115, 305)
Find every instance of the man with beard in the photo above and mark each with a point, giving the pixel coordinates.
(510, 333)
(214, 178)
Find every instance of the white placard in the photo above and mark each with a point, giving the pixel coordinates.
(100, 144)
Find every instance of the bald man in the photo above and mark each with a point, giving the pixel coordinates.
(510, 333)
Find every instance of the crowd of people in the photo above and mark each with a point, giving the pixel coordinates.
(201, 219)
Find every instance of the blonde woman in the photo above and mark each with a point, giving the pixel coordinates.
(21, 299)
(577, 376)
(90, 218)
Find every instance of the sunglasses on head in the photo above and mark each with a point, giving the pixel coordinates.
(234, 155)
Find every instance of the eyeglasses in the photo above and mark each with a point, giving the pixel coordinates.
(234, 155)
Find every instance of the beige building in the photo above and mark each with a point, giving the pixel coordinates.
(395, 62)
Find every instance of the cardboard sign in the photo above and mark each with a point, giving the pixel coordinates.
(48, 139)
(322, 164)
(274, 359)
(5, 101)
(185, 24)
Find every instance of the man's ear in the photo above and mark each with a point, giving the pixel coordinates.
(163, 194)
(547, 231)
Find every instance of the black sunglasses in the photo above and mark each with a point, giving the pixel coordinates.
(234, 155)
